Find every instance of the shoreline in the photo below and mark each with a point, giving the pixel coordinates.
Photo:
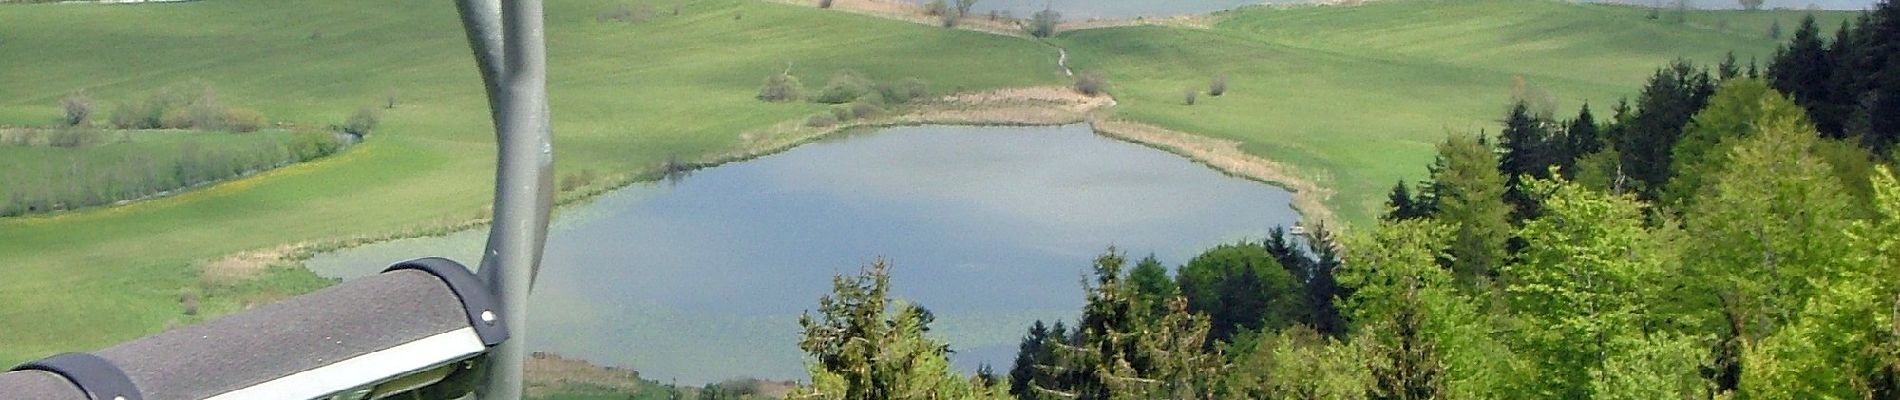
(1021, 106)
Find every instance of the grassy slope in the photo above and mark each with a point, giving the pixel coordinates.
(1356, 96)
(627, 97)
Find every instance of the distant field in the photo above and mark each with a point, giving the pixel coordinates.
(627, 96)
(1355, 96)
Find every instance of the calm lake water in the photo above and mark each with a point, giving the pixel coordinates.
(989, 227)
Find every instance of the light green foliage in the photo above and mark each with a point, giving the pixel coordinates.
(1179, 366)
(1298, 363)
(1731, 115)
(859, 350)
(1470, 193)
(845, 86)
(1659, 366)
(1769, 227)
(1582, 291)
(1421, 338)
(1846, 338)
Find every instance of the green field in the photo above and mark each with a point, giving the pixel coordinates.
(1353, 96)
(628, 96)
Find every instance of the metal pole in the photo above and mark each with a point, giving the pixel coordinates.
(481, 20)
(517, 88)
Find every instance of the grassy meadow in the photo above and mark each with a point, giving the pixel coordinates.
(628, 96)
(1352, 96)
(1355, 97)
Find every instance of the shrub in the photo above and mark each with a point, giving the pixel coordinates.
(1091, 83)
(825, 120)
(164, 102)
(780, 87)
(627, 14)
(1190, 96)
(205, 114)
(78, 108)
(570, 182)
(243, 119)
(844, 87)
(936, 7)
(306, 145)
(842, 113)
(964, 6)
(866, 109)
(363, 122)
(1043, 23)
(950, 20)
(915, 89)
(824, 3)
(189, 300)
(1218, 86)
(73, 137)
(128, 115)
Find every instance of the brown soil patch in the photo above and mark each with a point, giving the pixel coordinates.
(546, 371)
(1308, 198)
(242, 266)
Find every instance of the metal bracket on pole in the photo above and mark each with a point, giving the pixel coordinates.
(508, 40)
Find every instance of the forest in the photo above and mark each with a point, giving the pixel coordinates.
(1732, 232)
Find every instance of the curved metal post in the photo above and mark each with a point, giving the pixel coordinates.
(508, 39)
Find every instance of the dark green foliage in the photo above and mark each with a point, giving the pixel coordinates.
(1529, 150)
(1581, 138)
(1728, 69)
(1400, 205)
(1646, 140)
(1152, 287)
(1802, 70)
(1322, 284)
(79, 108)
(1033, 351)
(1043, 23)
(1218, 86)
(1242, 287)
(1091, 83)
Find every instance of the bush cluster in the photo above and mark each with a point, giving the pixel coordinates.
(1091, 83)
(79, 181)
(781, 87)
(189, 107)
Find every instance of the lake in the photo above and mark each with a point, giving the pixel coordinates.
(991, 228)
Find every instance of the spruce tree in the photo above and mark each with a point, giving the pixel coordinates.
(1580, 139)
(1527, 154)
(1802, 70)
